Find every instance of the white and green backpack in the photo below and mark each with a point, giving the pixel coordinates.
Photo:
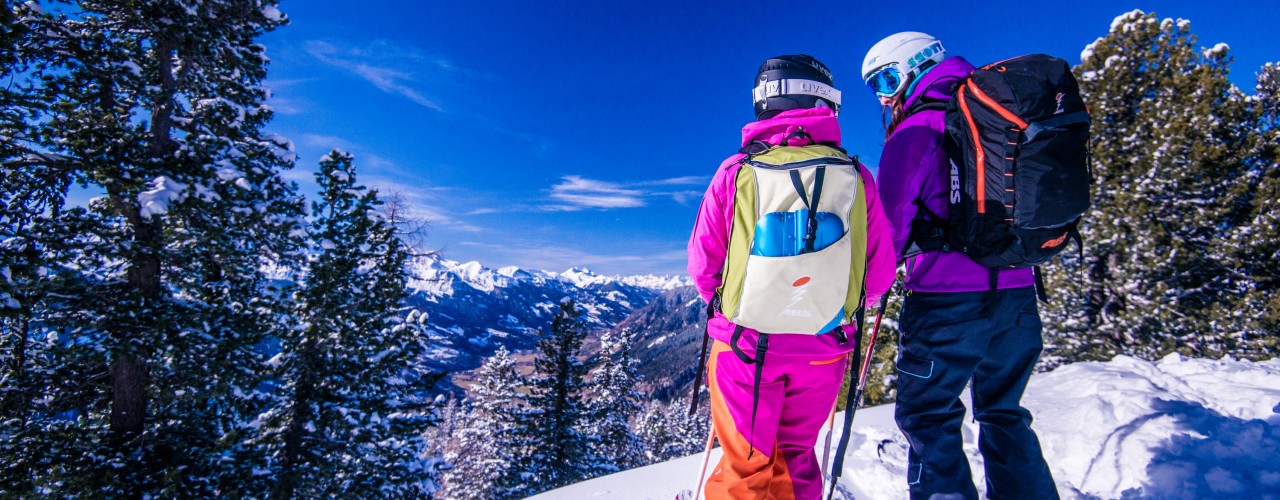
(797, 249)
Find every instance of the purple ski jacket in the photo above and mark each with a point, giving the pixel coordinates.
(708, 245)
(914, 167)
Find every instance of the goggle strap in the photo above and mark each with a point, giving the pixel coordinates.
(775, 88)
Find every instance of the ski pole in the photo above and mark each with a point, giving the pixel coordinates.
(866, 360)
(826, 445)
(706, 458)
(712, 306)
(851, 405)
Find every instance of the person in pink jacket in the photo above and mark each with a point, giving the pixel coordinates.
(772, 455)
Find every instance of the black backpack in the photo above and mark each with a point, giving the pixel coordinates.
(1017, 137)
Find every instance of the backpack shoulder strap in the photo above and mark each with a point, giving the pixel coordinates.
(923, 104)
(928, 233)
(755, 147)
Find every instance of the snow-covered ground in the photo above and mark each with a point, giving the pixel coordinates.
(1178, 428)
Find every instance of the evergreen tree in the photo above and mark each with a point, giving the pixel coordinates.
(557, 451)
(24, 199)
(442, 438)
(668, 431)
(356, 405)
(147, 304)
(1254, 245)
(654, 433)
(614, 404)
(690, 431)
(486, 464)
(1169, 142)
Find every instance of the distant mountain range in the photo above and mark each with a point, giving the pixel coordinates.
(473, 309)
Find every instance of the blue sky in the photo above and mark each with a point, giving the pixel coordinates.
(555, 134)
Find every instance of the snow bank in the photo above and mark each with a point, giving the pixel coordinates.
(1127, 428)
(1179, 428)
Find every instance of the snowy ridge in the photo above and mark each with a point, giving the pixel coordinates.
(437, 277)
(1126, 428)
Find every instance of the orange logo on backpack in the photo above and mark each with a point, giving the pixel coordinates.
(1055, 242)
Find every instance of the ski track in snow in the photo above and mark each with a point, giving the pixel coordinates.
(1174, 429)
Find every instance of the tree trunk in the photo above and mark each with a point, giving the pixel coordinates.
(129, 369)
(128, 396)
(13, 403)
(294, 451)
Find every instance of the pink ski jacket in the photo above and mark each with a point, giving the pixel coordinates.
(708, 245)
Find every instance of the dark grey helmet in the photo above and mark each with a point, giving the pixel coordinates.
(793, 82)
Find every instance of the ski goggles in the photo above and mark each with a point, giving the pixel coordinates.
(887, 81)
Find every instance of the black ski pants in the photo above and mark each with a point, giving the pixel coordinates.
(948, 339)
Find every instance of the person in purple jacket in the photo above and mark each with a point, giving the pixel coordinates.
(961, 323)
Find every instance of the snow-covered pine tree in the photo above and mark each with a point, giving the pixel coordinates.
(614, 403)
(1254, 245)
(442, 438)
(689, 432)
(668, 431)
(152, 332)
(487, 462)
(556, 451)
(356, 404)
(23, 201)
(694, 430)
(654, 433)
(1169, 141)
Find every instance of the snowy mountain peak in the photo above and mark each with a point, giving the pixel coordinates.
(663, 283)
(471, 268)
(511, 271)
(582, 277)
(437, 276)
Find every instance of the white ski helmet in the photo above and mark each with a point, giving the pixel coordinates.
(897, 59)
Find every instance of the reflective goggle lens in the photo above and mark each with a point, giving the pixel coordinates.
(886, 82)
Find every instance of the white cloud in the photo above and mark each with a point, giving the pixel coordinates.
(287, 106)
(286, 102)
(676, 181)
(574, 193)
(580, 193)
(300, 174)
(372, 66)
(326, 141)
(423, 200)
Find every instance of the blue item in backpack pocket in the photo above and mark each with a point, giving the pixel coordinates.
(781, 234)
